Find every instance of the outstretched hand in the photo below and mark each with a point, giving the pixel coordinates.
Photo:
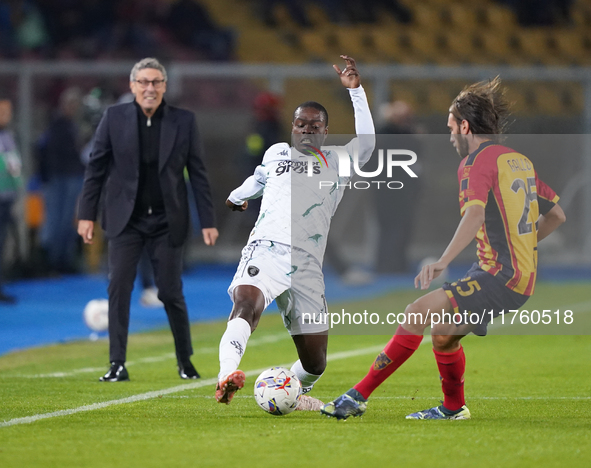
(349, 76)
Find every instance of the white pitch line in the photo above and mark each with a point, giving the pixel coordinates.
(151, 359)
(203, 383)
(166, 391)
(105, 404)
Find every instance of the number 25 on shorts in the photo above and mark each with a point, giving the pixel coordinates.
(472, 286)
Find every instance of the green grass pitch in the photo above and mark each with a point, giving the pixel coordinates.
(530, 398)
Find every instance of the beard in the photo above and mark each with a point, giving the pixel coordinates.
(462, 146)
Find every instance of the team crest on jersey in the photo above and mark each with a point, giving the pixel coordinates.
(317, 154)
(381, 362)
(253, 271)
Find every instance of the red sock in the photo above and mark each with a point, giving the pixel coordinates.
(402, 345)
(451, 368)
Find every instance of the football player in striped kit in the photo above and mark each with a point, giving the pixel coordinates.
(508, 209)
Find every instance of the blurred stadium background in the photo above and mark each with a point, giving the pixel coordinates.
(228, 59)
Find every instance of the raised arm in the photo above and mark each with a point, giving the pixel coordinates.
(364, 127)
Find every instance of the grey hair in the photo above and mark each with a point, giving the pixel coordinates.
(149, 62)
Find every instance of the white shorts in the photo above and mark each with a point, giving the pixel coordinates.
(291, 277)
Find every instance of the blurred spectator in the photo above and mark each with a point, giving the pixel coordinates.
(112, 29)
(295, 8)
(94, 104)
(22, 28)
(397, 208)
(137, 29)
(10, 182)
(62, 173)
(190, 24)
(369, 11)
(266, 131)
(540, 12)
(82, 27)
(90, 28)
(338, 11)
(34, 216)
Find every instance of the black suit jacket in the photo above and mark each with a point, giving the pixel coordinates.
(114, 166)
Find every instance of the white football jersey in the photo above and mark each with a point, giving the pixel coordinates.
(297, 207)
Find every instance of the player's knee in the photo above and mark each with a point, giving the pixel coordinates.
(249, 304)
(444, 343)
(315, 368)
(247, 310)
(119, 285)
(410, 308)
(414, 314)
(170, 296)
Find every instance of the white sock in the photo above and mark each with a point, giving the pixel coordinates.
(233, 345)
(308, 380)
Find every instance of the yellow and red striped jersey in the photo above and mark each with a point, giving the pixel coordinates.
(506, 184)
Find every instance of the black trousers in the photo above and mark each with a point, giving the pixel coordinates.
(149, 232)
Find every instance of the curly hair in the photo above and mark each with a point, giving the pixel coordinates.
(484, 106)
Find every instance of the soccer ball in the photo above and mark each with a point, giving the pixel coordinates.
(278, 391)
(96, 315)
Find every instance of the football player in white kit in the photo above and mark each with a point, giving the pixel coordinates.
(283, 259)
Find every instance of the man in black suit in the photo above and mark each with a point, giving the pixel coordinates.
(140, 152)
